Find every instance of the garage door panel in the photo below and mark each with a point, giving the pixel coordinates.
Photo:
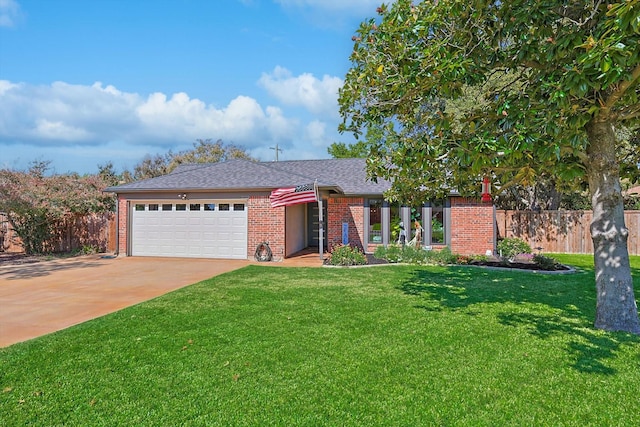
(152, 221)
(163, 249)
(165, 236)
(239, 222)
(237, 235)
(195, 221)
(201, 233)
(224, 222)
(194, 236)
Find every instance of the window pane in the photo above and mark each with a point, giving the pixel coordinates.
(238, 206)
(139, 207)
(223, 207)
(181, 207)
(395, 224)
(437, 223)
(417, 232)
(209, 206)
(153, 207)
(375, 220)
(167, 206)
(194, 207)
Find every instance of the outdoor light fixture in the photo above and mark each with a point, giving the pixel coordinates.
(486, 189)
(182, 196)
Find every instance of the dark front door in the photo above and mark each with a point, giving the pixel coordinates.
(313, 224)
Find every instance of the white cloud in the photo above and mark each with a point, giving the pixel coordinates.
(79, 114)
(318, 96)
(315, 133)
(5, 86)
(75, 123)
(9, 13)
(58, 130)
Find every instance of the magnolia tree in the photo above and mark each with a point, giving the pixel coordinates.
(555, 80)
(37, 205)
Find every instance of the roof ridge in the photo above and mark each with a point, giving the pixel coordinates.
(205, 165)
(315, 160)
(270, 165)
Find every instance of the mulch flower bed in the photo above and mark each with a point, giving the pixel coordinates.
(519, 265)
(495, 262)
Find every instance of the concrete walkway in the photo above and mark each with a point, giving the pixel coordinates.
(44, 297)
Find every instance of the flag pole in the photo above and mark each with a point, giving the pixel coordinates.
(320, 221)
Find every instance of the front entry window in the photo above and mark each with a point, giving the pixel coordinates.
(375, 221)
(437, 223)
(417, 230)
(397, 225)
(422, 226)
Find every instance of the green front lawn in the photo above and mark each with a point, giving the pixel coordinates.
(388, 346)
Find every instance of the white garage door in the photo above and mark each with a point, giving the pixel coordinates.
(194, 229)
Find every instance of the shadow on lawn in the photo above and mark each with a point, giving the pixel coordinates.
(570, 298)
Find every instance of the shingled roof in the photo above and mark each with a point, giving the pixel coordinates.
(346, 176)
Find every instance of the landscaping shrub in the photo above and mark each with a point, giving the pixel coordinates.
(392, 253)
(412, 255)
(545, 262)
(399, 253)
(443, 257)
(509, 247)
(346, 255)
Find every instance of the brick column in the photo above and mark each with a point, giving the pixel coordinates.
(472, 226)
(121, 244)
(265, 224)
(349, 210)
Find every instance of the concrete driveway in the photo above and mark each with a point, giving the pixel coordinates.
(44, 297)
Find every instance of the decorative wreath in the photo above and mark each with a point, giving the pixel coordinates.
(263, 252)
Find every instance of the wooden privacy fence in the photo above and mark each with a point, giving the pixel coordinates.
(560, 231)
(96, 232)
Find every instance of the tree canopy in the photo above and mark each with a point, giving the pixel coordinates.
(203, 151)
(554, 80)
(340, 150)
(37, 204)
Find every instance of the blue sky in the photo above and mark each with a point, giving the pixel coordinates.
(86, 82)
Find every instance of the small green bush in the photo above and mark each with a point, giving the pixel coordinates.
(412, 255)
(442, 257)
(392, 253)
(509, 247)
(89, 250)
(346, 255)
(545, 262)
(470, 259)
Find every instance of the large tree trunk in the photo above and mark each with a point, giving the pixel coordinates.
(616, 308)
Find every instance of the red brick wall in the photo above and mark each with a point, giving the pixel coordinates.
(472, 226)
(121, 247)
(349, 210)
(265, 224)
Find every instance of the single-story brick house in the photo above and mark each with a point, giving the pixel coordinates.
(223, 210)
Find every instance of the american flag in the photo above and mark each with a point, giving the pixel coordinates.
(293, 195)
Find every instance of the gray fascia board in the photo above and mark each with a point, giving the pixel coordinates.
(335, 188)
